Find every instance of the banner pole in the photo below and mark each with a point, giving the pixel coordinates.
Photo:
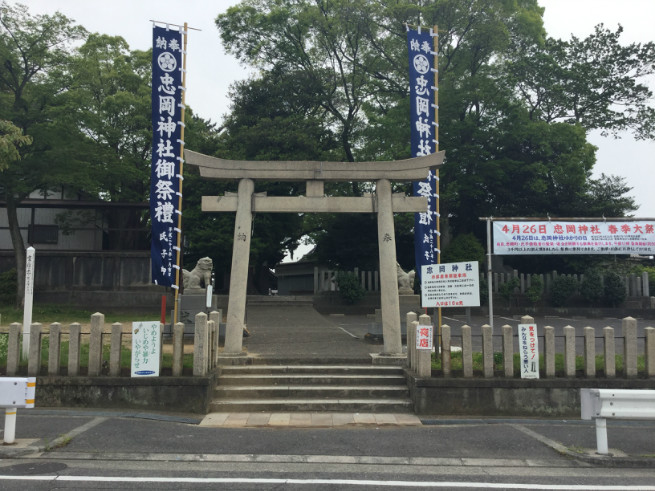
(490, 276)
(436, 172)
(178, 249)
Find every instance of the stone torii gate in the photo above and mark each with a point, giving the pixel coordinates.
(245, 202)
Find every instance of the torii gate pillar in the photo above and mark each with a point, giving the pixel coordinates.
(236, 309)
(388, 273)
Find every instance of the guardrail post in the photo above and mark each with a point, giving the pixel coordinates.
(629, 326)
(569, 351)
(178, 349)
(467, 351)
(13, 349)
(487, 351)
(609, 351)
(410, 318)
(95, 344)
(115, 349)
(589, 351)
(10, 426)
(34, 358)
(601, 436)
(54, 351)
(649, 333)
(508, 351)
(446, 362)
(75, 331)
(549, 351)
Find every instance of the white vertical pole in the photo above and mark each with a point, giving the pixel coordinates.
(28, 300)
(601, 436)
(489, 275)
(10, 426)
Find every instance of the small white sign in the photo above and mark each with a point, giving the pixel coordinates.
(450, 285)
(529, 350)
(424, 337)
(146, 348)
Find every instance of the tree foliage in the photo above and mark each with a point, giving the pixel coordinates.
(11, 139)
(35, 54)
(515, 105)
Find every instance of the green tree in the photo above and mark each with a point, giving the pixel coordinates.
(535, 290)
(11, 139)
(350, 289)
(614, 289)
(591, 286)
(596, 82)
(35, 58)
(109, 99)
(511, 144)
(562, 290)
(462, 248)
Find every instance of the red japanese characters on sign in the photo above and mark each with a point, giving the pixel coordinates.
(574, 237)
(424, 337)
(529, 350)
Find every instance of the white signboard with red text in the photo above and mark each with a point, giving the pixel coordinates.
(424, 337)
(574, 237)
(450, 285)
(529, 350)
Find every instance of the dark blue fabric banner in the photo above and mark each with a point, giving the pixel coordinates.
(166, 144)
(421, 83)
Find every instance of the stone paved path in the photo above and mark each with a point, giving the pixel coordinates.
(307, 420)
(300, 332)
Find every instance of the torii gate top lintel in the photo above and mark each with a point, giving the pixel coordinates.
(414, 169)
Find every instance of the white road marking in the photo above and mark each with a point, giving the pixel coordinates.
(336, 482)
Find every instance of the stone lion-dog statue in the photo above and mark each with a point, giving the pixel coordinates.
(405, 281)
(200, 276)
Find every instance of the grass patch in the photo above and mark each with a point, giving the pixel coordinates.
(126, 355)
(478, 364)
(47, 314)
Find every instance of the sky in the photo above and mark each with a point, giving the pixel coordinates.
(210, 71)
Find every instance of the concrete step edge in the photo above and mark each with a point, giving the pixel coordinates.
(319, 367)
(309, 388)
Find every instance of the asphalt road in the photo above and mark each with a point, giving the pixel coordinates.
(103, 450)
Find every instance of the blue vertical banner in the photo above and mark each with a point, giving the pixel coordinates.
(166, 146)
(422, 109)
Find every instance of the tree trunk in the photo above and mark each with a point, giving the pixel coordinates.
(19, 249)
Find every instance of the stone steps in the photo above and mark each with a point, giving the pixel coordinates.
(304, 369)
(325, 388)
(311, 405)
(307, 379)
(310, 392)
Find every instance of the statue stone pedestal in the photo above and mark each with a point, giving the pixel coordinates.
(192, 302)
(407, 303)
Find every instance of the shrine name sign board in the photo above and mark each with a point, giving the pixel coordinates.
(450, 285)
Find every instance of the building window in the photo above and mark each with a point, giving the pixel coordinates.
(43, 234)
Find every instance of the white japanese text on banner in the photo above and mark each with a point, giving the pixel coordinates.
(166, 143)
(421, 83)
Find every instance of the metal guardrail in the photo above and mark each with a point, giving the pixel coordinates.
(600, 404)
(15, 392)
